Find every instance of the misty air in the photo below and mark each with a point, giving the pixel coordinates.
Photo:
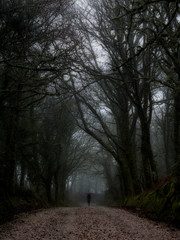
(89, 119)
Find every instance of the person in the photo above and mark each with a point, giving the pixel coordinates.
(89, 199)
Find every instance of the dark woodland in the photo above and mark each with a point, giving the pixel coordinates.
(89, 101)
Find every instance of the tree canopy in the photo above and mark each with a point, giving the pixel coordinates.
(93, 85)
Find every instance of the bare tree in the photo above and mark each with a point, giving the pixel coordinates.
(124, 90)
(34, 55)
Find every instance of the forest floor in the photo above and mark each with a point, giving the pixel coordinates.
(85, 223)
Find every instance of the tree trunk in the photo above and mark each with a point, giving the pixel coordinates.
(134, 174)
(56, 184)
(166, 131)
(22, 174)
(10, 155)
(149, 166)
(128, 186)
(48, 190)
(62, 188)
(177, 133)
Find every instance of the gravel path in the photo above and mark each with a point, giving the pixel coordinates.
(85, 223)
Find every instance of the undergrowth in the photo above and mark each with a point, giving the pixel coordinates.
(161, 203)
(22, 201)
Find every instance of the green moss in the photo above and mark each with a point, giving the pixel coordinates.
(161, 203)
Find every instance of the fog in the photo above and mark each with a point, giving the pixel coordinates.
(82, 183)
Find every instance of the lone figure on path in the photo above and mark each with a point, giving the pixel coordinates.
(89, 198)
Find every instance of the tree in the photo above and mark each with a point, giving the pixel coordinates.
(169, 47)
(162, 125)
(34, 55)
(131, 44)
(162, 38)
(123, 89)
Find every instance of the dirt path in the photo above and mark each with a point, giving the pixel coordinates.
(85, 223)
